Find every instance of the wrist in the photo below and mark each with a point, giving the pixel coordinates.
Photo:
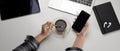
(43, 35)
(79, 41)
(40, 37)
(80, 37)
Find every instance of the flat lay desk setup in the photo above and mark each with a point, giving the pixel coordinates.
(13, 31)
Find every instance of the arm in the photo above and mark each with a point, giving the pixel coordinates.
(78, 44)
(31, 43)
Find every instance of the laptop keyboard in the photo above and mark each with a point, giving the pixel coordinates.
(85, 2)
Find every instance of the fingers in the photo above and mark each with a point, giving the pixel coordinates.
(48, 25)
(87, 25)
(74, 20)
(51, 25)
(85, 29)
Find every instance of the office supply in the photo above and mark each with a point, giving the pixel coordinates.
(106, 17)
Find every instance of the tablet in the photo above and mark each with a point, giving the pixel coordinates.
(16, 8)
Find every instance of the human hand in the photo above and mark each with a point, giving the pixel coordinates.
(84, 31)
(80, 37)
(46, 29)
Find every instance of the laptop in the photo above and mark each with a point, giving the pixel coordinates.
(72, 6)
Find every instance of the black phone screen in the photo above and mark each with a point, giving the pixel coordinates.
(80, 21)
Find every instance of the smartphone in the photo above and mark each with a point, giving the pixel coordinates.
(80, 21)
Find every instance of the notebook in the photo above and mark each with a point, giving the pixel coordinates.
(106, 17)
(16, 8)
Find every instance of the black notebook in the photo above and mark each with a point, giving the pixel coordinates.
(15, 8)
(106, 17)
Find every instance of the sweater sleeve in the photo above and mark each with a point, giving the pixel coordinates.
(30, 44)
(73, 49)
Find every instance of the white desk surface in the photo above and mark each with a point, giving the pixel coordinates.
(14, 31)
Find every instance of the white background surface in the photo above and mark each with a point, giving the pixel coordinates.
(14, 31)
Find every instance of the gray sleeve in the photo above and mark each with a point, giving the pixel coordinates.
(73, 49)
(30, 44)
